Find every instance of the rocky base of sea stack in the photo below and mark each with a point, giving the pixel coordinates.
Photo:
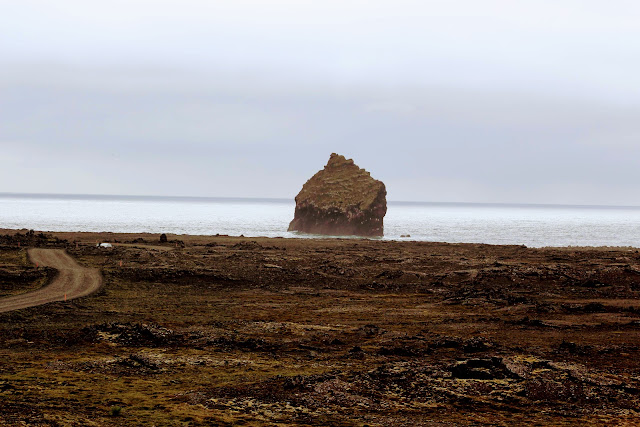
(351, 221)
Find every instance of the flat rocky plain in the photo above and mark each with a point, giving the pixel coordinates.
(217, 330)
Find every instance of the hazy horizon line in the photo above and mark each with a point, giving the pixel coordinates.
(289, 200)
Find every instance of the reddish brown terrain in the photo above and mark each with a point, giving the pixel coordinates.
(215, 330)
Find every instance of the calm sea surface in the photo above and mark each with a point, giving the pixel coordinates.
(530, 225)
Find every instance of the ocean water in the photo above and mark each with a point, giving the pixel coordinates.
(531, 225)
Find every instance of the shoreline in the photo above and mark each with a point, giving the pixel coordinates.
(84, 237)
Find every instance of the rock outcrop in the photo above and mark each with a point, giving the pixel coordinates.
(341, 199)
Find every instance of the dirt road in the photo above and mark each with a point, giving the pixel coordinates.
(72, 281)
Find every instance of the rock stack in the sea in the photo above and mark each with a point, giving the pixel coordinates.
(340, 200)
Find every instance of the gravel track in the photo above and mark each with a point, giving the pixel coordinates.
(72, 281)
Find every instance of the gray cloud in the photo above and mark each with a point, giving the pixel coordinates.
(445, 101)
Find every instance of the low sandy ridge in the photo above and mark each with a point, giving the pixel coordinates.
(72, 280)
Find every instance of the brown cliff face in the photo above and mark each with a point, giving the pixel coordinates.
(341, 199)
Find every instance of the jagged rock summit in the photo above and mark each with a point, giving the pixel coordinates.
(340, 200)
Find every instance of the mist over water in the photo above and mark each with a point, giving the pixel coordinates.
(534, 226)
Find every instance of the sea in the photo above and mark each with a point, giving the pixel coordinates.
(518, 224)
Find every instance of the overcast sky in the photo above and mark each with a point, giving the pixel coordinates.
(465, 101)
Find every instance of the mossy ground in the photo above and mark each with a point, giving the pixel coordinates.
(232, 331)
